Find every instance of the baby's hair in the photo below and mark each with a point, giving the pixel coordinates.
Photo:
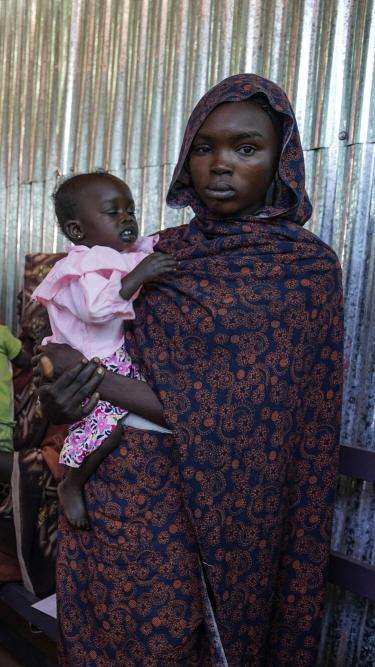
(65, 196)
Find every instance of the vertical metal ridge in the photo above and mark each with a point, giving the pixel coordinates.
(110, 83)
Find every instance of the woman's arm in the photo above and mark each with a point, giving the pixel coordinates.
(76, 379)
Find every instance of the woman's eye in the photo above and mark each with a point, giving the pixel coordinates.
(201, 149)
(246, 150)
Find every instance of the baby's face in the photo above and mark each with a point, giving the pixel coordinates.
(105, 209)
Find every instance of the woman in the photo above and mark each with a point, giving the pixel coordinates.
(210, 545)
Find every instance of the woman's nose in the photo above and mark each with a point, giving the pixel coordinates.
(221, 165)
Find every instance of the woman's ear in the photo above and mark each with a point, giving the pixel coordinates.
(73, 230)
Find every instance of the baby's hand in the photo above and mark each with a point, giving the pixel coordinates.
(147, 270)
(155, 265)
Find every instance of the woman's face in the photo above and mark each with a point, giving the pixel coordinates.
(233, 158)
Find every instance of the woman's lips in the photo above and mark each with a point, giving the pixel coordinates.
(220, 192)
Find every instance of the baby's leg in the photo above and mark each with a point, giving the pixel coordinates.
(70, 490)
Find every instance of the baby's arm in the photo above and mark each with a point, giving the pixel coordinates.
(146, 271)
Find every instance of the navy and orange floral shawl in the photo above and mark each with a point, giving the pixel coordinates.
(244, 349)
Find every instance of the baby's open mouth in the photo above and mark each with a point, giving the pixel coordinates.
(129, 234)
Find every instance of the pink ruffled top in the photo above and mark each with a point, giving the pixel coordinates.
(81, 294)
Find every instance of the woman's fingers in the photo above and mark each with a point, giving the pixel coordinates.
(42, 366)
(68, 377)
(90, 405)
(63, 399)
(83, 388)
(46, 366)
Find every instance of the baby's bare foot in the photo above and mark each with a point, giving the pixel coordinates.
(71, 499)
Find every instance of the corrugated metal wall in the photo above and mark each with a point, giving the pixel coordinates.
(110, 83)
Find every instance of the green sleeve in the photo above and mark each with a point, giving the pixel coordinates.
(11, 346)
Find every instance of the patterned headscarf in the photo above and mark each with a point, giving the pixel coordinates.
(290, 199)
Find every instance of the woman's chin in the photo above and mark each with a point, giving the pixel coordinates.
(222, 209)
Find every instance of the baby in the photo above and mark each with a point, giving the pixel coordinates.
(88, 294)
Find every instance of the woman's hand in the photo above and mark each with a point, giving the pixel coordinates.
(63, 401)
(61, 356)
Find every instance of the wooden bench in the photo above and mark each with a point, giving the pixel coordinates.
(349, 573)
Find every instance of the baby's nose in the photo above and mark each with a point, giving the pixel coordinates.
(125, 215)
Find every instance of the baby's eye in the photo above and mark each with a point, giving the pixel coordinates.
(246, 150)
(111, 212)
